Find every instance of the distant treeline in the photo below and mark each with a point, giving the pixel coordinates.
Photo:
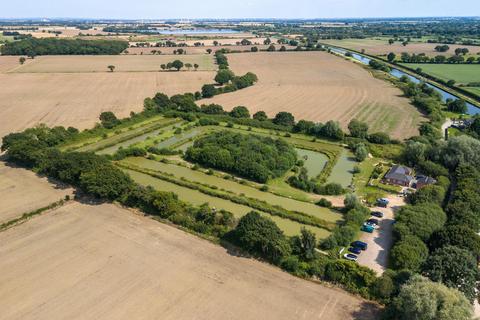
(37, 47)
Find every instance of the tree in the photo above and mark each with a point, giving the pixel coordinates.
(454, 267)
(177, 64)
(391, 57)
(461, 150)
(224, 76)
(421, 220)
(271, 48)
(188, 66)
(261, 236)
(283, 49)
(106, 182)
(240, 112)
(162, 100)
(111, 67)
(163, 66)
(414, 152)
(260, 116)
(460, 236)
(208, 90)
(196, 66)
(305, 244)
(428, 194)
(209, 51)
(351, 201)
(22, 60)
(361, 152)
(212, 109)
(284, 119)
(379, 138)
(108, 119)
(254, 49)
(215, 43)
(457, 105)
(409, 253)
(423, 299)
(358, 129)
(391, 41)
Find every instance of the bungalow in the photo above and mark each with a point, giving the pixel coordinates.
(399, 175)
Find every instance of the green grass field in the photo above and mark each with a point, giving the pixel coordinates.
(461, 73)
(475, 90)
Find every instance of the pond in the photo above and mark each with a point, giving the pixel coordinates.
(185, 135)
(471, 109)
(314, 162)
(128, 143)
(342, 172)
(237, 188)
(195, 197)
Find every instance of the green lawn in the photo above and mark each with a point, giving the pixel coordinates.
(461, 73)
(475, 90)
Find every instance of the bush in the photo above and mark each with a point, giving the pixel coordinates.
(409, 253)
(324, 203)
(330, 189)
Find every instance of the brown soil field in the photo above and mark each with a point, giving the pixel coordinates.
(374, 47)
(67, 32)
(319, 86)
(103, 262)
(199, 50)
(9, 62)
(22, 191)
(77, 99)
(122, 63)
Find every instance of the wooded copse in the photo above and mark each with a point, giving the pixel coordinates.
(52, 46)
(251, 156)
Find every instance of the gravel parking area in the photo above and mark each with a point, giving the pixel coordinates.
(380, 241)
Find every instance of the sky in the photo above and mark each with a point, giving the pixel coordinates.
(224, 9)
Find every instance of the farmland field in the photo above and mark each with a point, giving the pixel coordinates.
(103, 262)
(318, 86)
(381, 47)
(122, 63)
(461, 73)
(200, 50)
(22, 191)
(77, 99)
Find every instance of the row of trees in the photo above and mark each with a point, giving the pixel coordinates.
(422, 58)
(178, 65)
(51, 46)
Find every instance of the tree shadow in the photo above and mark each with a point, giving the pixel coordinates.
(367, 311)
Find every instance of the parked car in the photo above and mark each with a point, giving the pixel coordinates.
(350, 257)
(377, 214)
(371, 224)
(355, 250)
(359, 244)
(368, 229)
(374, 221)
(382, 202)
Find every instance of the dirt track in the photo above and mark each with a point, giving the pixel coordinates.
(22, 191)
(318, 86)
(103, 262)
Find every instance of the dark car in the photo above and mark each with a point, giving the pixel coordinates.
(355, 250)
(377, 214)
(373, 221)
(359, 244)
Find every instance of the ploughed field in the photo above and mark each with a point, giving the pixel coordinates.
(77, 99)
(103, 262)
(318, 86)
(21, 191)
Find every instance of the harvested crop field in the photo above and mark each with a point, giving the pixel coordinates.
(319, 86)
(122, 63)
(381, 47)
(22, 191)
(77, 99)
(103, 262)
